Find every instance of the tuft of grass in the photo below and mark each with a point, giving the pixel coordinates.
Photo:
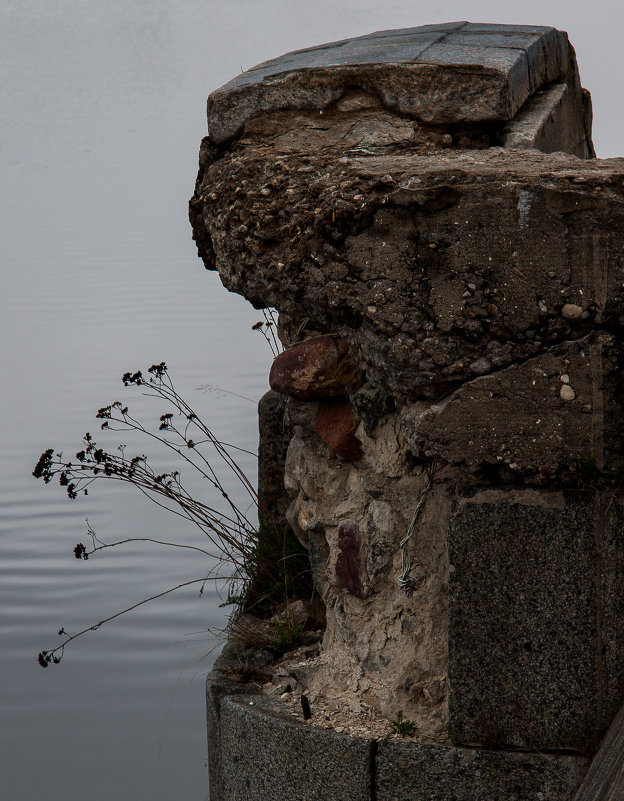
(288, 631)
(618, 472)
(403, 726)
(587, 466)
(277, 568)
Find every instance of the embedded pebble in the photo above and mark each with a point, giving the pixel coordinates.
(566, 393)
(481, 366)
(565, 378)
(571, 311)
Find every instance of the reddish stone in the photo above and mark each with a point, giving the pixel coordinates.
(348, 562)
(320, 367)
(336, 424)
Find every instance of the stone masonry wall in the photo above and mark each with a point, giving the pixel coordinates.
(451, 303)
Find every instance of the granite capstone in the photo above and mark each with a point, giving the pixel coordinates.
(449, 73)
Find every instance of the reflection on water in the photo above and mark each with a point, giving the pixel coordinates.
(102, 114)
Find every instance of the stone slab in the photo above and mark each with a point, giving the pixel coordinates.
(421, 772)
(509, 64)
(387, 50)
(550, 121)
(218, 687)
(447, 73)
(267, 755)
(535, 653)
(546, 49)
(258, 750)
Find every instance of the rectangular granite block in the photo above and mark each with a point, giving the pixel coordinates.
(535, 653)
(268, 757)
(424, 772)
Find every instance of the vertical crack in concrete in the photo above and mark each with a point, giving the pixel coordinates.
(373, 769)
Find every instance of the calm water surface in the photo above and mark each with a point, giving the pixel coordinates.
(102, 114)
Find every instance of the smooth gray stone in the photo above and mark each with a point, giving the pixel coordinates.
(421, 772)
(522, 40)
(360, 51)
(495, 27)
(534, 650)
(458, 72)
(444, 27)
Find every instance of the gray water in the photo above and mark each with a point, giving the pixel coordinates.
(103, 109)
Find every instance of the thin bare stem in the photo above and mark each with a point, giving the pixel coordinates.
(230, 531)
(49, 656)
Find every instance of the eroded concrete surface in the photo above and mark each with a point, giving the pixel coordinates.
(477, 289)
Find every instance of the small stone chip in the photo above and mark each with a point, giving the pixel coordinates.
(571, 311)
(566, 393)
(481, 366)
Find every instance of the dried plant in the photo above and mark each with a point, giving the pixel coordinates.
(263, 567)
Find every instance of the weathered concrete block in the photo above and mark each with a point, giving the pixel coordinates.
(551, 414)
(424, 772)
(458, 271)
(267, 755)
(550, 121)
(536, 631)
(388, 192)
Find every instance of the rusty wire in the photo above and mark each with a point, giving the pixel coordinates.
(405, 582)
